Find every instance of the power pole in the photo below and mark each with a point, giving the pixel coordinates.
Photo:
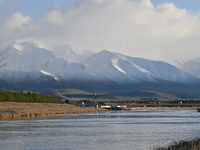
(95, 97)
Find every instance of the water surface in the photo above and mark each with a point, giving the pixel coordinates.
(138, 130)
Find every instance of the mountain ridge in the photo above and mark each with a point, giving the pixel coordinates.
(26, 66)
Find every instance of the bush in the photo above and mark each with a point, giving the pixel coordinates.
(28, 98)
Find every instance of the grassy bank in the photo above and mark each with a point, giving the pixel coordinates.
(9, 110)
(183, 145)
(144, 108)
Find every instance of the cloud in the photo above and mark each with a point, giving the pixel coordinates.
(13, 28)
(18, 20)
(135, 28)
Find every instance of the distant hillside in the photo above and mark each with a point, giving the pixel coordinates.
(187, 95)
(146, 94)
(63, 93)
(75, 93)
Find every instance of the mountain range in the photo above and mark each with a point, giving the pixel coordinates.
(26, 66)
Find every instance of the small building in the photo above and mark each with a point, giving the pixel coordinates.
(105, 106)
(112, 106)
(80, 103)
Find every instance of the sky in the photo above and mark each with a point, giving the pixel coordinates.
(167, 30)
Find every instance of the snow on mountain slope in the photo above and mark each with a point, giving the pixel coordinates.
(69, 70)
(121, 68)
(192, 67)
(27, 65)
(174, 60)
(28, 57)
(117, 68)
(73, 53)
(51, 75)
(162, 70)
(18, 76)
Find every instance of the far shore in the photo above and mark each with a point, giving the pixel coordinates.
(143, 108)
(14, 110)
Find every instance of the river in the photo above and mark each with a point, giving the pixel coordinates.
(116, 130)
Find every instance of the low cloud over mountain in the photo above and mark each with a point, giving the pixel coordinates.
(134, 28)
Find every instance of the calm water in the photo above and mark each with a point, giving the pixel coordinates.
(117, 130)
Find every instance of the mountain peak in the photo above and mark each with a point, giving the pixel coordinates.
(27, 62)
(71, 52)
(104, 54)
(24, 45)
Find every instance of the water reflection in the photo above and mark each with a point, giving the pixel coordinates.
(140, 130)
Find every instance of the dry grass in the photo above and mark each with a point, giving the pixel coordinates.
(143, 108)
(16, 110)
(183, 145)
(10, 110)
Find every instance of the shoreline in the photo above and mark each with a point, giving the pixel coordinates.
(14, 110)
(147, 108)
(182, 145)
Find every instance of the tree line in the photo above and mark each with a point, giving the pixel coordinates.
(28, 97)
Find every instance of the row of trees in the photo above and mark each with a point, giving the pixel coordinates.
(28, 97)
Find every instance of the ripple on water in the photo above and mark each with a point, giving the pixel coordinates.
(142, 129)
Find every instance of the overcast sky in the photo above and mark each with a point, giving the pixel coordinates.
(157, 29)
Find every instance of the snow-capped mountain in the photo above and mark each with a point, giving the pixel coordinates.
(32, 59)
(26, 66)
(192, 67)
(71, 52)
(121, 69)
(174, 60)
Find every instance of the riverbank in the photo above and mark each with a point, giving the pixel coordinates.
(144, 108)
(183, 145)
(9, 110)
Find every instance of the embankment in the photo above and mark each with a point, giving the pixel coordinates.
(183, 145)
(9, 110)
(143, 108)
